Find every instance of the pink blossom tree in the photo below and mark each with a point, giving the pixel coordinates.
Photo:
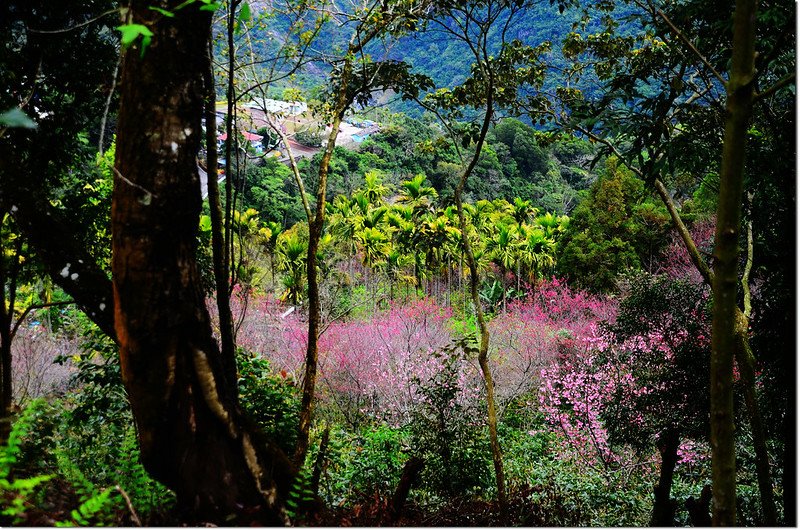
(636, 382)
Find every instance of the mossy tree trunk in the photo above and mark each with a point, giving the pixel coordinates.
(191, 431)
(724, 340)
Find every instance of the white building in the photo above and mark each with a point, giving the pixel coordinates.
(277, 107)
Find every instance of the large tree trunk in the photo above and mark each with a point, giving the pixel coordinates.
(726, 254)
(8, 285)
(6, 389)
(65, 259)
(190, 427)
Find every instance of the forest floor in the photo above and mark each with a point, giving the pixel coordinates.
(370, 511)
(456, 512)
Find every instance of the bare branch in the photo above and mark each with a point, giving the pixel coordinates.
(76, 26)
(789, 79)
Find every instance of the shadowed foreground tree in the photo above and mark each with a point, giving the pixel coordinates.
(192, 433)
(726, 315)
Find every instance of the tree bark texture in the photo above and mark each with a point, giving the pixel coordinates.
(191, 431)
(726, 252)
(411, 470)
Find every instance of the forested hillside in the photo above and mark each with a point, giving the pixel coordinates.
(397, 263)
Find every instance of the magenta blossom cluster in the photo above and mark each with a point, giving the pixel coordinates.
(367, 368)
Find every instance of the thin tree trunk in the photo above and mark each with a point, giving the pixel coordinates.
(483, 349)
(7, 277)
(231, 130)
(663, 507)
(762, 467)
(314, 304)
(5, 380)
(5, 357)
(746, 364)
(744, 360)
(726, 252)
(319, 463)
(503, 285)
(191, 431)
(101, 141)
(217, 228)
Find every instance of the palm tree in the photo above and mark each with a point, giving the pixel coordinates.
(401, 228)
(414, 193)
(523, 210)
(480, 215)
(374, 189)
(269, 239)
(374, 245)
(292, 260)
(345, 221)
(373, 218)
(538, 251)
(504, 251)
(552, 225)
(394, 265)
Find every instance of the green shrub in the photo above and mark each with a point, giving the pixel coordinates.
(16, 493)
(88, 438)
(365, 462)
(450, 435)
(271, 399)
(562, 495)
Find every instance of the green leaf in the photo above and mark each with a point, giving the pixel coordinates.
(213, 6)
(145, 43)
(16, 118)
(164, 12)
(244, 12)
(205, 223)
(131, 32)
(243, 16)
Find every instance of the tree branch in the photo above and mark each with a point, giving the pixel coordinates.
(691, 46)
(30, 308)
(774, 88)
